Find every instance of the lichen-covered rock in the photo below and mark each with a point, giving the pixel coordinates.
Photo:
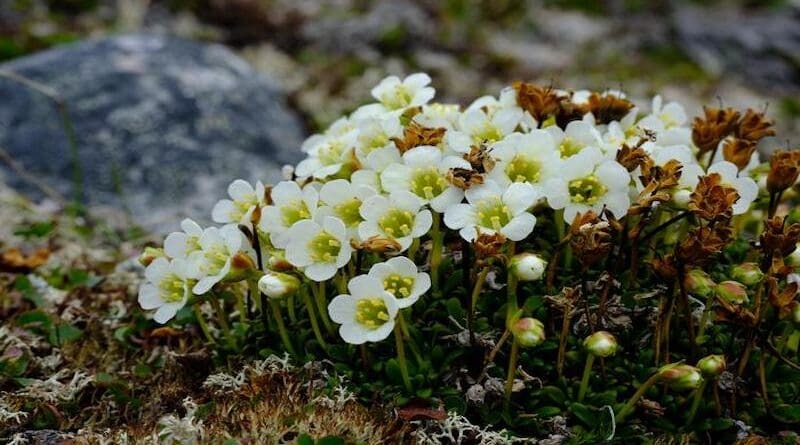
(162, 124)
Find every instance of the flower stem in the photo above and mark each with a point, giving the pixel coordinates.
(561, 227)
(698, 397)
(699, 339)
(276, 313)
(401, 357)
(290, 309)
(562, 340)
(313, 318)
(512, 371)
(513, 305)
(587, 371)
(201, 321)
(322, 305)
(476, 292)
(436, 254)
(628, 408)
(223, 321)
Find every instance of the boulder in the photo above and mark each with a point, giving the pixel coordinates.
(161, 125)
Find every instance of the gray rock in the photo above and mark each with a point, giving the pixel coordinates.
(162, 124)
(761, 46)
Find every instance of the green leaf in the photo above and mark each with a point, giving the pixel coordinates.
(23, 285)
(546, 412)
(454, 308)
(64, 333)
(393, 371)
(35, 230)
(584, 414)
(787, 413)
(37, 321)
(331, 440)
(553, 394)
(305, 439)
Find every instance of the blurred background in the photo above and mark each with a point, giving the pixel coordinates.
(319, 59)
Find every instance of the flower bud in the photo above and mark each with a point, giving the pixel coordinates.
(150, 254)
(601, 344)
(680, 376)
(712, 365)
(796, 314)
(527, 266)
(279, 263)
(528, 332)
(732, 292)
(682, 197)
(278, 285)
(698, 283)
(794, 257)
(747, 273)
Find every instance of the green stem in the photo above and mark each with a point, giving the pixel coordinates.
(241, 307)
(476, 292)
(561, 227)
(313, 317)
(794, 341)
(322, 306)
(436, 254)
(512, 371)
(401, 357)
(698, 397)
(699, 340)
(223, 321)
(628, 408)
(198, 314)
(401, 321)
(276, 313)
(513, 305)
(587, 371)
(290, 309)
(412, 251)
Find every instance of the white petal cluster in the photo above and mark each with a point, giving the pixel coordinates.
(363, 180)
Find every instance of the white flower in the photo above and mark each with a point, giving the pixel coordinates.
(690, 173)
(376, 133)
(530, 158)
(214, 260)
(423, 173)
(397, 217)
(330, 153)
(367, 314)
(401, 278)
(588, 181)
(745, 186)
(289, 205)
(577, 136)
(437, 115)
(320, 249)
(396, 94)
(244, 201)
(343, 200)
(477, 126)
(168, 287)
(181, 244)
(492, 209)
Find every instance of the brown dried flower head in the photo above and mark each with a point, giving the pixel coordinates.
(711, 200)
(738, 151)
(608, 108)
(488, 246)
(479, 157)
(590, 238)
(665, 268)
(378, 244)
(633, 157)
(546, 103)
(754, 126)
(659, 182)
(464, 178)
(784, 168)
(710, 130)
(778, 238)
(782, 299)
(415, 135)
(703, 242)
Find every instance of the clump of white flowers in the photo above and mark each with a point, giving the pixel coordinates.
(407, 202)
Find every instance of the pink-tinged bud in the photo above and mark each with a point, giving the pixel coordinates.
(732, 292)
(699, 283)
(528, 332)
(601, 344)
(278, 285)
(150, 254)
(527, 266)
(279, 263)
(747, 273)
(680, 376)
(712, 365)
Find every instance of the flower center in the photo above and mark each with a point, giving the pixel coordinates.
(587, 190)
(216, 258)
(569, 147)
(173, 288)
(397, 98)
(324, 248)
(371, 313)
(347, 211)
(427, 183)
(488, 133)
(398, 285)
(331, 153)
(397, 223)
(294, 211)
(241, 207)
(523, 169)
(372, 142)
(493, 214)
